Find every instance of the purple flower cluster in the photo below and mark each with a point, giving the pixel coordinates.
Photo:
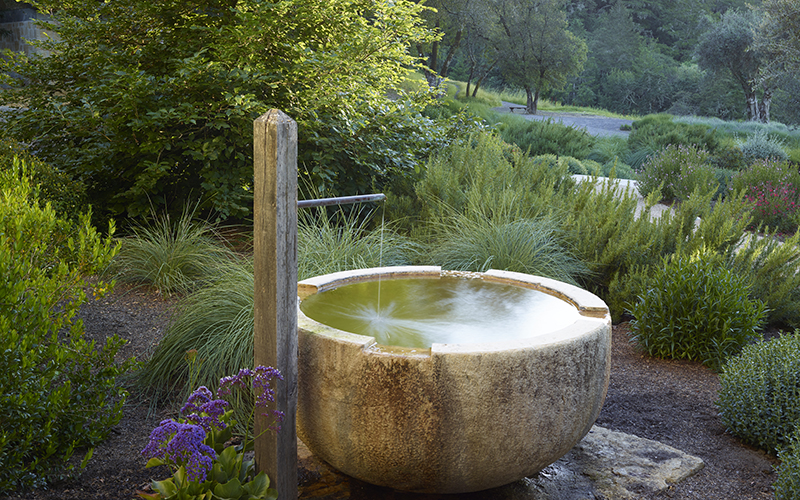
(181, 444)
(204, 411)
(259, 379)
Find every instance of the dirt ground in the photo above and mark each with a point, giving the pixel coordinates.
(667, 401)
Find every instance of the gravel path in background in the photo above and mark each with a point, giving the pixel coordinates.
(600, 126)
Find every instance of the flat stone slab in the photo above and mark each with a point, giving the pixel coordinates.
(609, 464)
(604, 465)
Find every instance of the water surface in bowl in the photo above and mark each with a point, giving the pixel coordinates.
(423, 311)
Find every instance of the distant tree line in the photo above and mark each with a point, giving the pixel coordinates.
(726, 58)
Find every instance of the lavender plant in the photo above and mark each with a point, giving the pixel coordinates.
(198, 448)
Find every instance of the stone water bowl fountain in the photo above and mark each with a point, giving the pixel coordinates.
(456, 382)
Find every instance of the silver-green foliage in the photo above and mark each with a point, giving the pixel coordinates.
(696, 308)
(759, 397)
(762, 146)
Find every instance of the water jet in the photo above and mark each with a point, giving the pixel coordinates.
(451, 407)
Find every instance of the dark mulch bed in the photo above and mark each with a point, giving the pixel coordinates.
(671, 402)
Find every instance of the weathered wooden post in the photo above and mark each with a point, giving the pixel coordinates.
(275, 268)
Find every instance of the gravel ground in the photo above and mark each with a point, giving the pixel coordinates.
(671, 402)
(599, 126)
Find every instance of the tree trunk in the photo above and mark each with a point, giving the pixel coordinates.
(752, 107)
(533, 100)
(469, 78)
(484, 75)
(763, 107)
(450, 53)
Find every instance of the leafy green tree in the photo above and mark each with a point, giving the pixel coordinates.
(728, 47)
(151, 103)
(778, 35)
(537, 51)
(450, 18)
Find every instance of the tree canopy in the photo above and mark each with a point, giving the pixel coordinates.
(537, 50)
(728, 46)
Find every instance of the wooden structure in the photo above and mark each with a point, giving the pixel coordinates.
(275, 273)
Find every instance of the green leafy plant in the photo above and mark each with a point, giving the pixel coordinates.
(540, 137)
(154, 104)
(759, 396)
(66, 195)
(677, 171)
(173, 256)
(194, 446)
(772, 267)
(656, 132)
(58, 391)
(787, 486)
(695, 308)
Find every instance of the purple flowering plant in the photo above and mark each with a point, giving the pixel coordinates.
(197, 446)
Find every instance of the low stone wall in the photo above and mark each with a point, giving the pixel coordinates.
(17, 26)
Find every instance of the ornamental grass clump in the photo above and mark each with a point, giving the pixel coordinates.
(172, 256)
(759, 396)
(695, 308)
(197, 446)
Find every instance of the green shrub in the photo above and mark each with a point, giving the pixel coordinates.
(58, 392)
(774, 189)
(540, 137)
(759, 396)
(729, 158)
(618, 170)
(695, 308)
(656, 132)
(483, 173)
(173, 256)
(156, 102)
(66, 195)
(773, 269)
(678, 171)
(574, 166)
(787, 486)
(761, 146)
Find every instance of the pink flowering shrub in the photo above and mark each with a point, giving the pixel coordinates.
(679, 170)
(774, 188)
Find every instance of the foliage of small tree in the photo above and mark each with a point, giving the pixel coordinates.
(151, 103)
(728, 47)
(778, 35)
(538, 52)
